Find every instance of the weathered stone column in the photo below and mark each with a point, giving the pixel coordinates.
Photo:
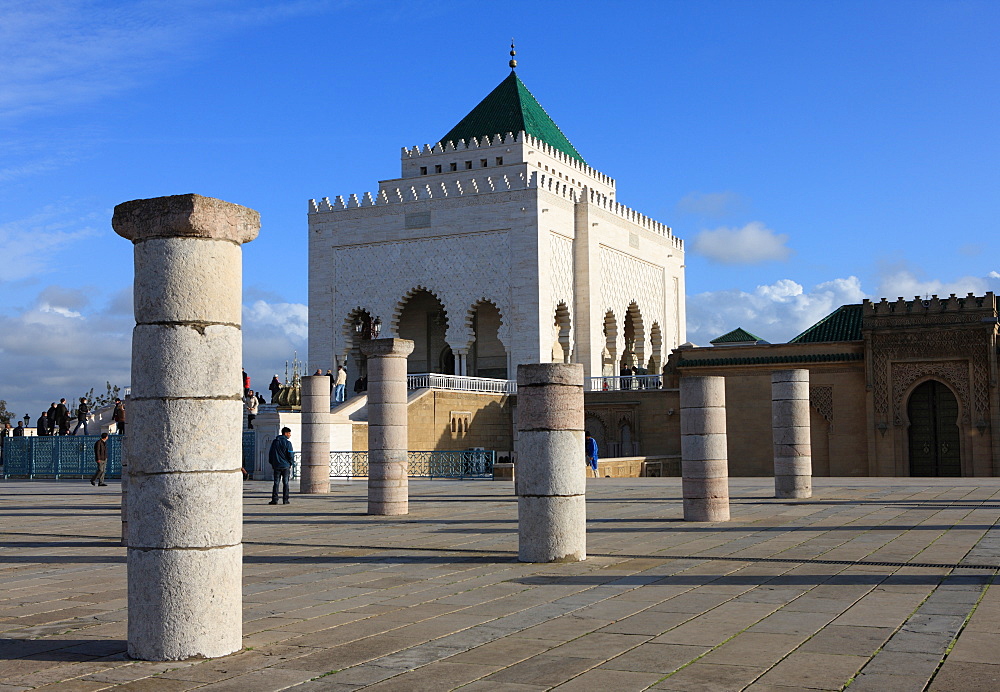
(315, 476)
(388, 462)
(185, 489)
(790, 428)
(551, 469)
(704, 458)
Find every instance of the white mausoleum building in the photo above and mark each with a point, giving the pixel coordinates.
(497, 245)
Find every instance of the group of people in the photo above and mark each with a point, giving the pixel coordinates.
(643, 380)
(58, 418)
(338, 384)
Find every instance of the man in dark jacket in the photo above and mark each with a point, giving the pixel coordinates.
(119, 417)
(101, 457)
(280, 457)
(274, 388)
(82, 413)
(53, 421)
(43, 424)
(62, 417)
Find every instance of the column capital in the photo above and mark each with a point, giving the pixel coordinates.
(185, 216)
(387, 348)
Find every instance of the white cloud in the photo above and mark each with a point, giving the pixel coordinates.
(751, 244)
(30, 244)
(59, 53)
(710, 203)
(906, 282)
(775, 312)
(63, 344)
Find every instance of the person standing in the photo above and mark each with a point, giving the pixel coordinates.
(590, 446)
(118, 416)
(251, 407)
(53, 422)
(246, 383)
(19, 430)
(280, 457)
(101, 457)
(82, 413)
(274, 388)
(62, 417)
(43, 424)
(340, 385)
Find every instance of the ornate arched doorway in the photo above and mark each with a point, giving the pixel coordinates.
(424, 321)
(934, 437)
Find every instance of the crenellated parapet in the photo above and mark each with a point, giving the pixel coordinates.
(507, 139)
(604, 202)
(932, 305)
(438, 189)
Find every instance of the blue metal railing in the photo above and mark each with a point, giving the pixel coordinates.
(249, 450)
(469, 463)
(59, 456)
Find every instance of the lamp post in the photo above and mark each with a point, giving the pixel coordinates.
(27, 420)
(367, 329)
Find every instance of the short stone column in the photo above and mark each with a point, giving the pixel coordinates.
(388, 444)
(185, 488)
(704, 457)
(315, 470)
(551, 467)
(791, 432)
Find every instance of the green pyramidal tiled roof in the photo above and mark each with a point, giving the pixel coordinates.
(511, 108)
(843, 324)
(737, 336)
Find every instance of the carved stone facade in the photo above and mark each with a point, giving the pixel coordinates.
(866, 389)
(504, 219)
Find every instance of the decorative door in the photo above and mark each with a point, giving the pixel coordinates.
(934, 435)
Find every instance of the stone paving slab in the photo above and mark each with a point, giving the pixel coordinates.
(872, 584)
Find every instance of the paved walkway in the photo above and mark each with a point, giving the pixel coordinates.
(876, 584)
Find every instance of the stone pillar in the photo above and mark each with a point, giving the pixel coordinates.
(315, 476)
(551, 471)
(790, 428)
(388, 462)
(185, 488)
(704, 458)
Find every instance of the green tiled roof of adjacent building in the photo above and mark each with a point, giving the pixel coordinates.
(843, 324)
(738, 336)
(511, 108)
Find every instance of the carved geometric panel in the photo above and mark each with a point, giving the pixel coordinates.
(953, 373)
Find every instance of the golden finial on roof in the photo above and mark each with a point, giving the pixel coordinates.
(513, 62)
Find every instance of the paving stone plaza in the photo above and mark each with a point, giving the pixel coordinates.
(882, 584)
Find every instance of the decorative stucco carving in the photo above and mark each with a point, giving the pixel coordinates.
(460, 270)
(625, 280)
(821, 398)
(561, 253)
(960, 357)
(953, 373)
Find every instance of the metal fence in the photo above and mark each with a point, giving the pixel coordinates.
(461, 383)
(470, 463)
(617, 384)
(59, 456)
(249, 450)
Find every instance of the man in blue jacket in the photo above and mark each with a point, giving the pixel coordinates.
(590, 445)
(280, 456)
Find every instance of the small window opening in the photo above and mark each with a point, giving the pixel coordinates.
(423, 170)
(483, 163)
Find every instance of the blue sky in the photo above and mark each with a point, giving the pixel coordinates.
(809, 153)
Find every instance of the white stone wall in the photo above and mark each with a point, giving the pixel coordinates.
(521, 236)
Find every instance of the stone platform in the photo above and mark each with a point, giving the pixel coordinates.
(880, 583)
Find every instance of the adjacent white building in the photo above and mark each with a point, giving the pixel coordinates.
(497, 245)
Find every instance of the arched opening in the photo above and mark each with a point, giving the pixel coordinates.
(934, 437)
(655, 364)
(561, 347)
(423, 320)
(633, 355)
(610, 351)
(487, 356)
